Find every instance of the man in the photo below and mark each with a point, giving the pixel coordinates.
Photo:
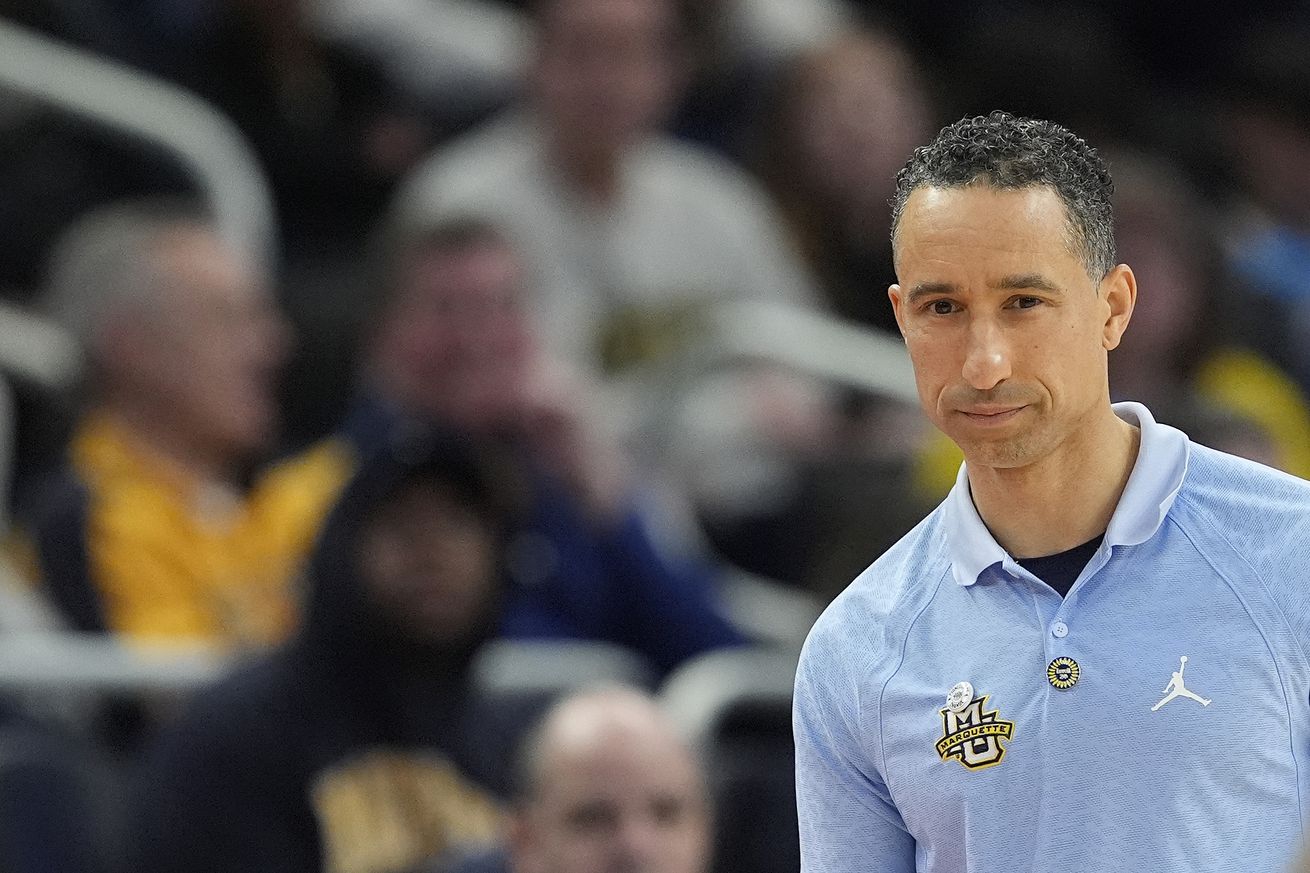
(363, 746)
(631, 239)
(149, 531)
(981, 697)
(629, 234)
(607, 785)
(451, 342)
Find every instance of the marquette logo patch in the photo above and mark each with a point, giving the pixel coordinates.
(973, 735)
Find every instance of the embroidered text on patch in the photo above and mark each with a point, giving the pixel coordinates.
(974, 736)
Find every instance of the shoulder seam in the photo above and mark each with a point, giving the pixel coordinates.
(1218, 532)
(1282, 681)
(905, 641)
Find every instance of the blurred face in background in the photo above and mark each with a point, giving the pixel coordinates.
(1160, 230)
(1272, 155)
(617, 792)
(203, 349)
(455, 344)
(1169, 312)
(606, 72)
(428, 564)
(857, 113)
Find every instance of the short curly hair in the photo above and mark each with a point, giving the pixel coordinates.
(1007, 152)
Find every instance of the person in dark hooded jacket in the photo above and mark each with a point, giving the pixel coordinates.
(359, 747)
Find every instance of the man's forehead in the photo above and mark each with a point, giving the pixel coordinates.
(195, 262)
(1030, 202)
(1032, 219)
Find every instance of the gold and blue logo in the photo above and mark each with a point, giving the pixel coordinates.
(974, 735)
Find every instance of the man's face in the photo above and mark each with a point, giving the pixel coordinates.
(1007, 332)
(624, 802)
(428, 566)
(206, 346)
(606, 70)
(458, 339)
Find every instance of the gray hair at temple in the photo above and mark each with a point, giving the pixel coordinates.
(1006, 152)
(105, 260)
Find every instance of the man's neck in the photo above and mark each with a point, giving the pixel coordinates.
(165, 444)
(1063, 500)
(592, 174)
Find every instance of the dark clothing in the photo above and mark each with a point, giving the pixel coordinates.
(310, 126)
(57, 800)
(571, 578)
(289, 762)
(1061, 571)
(354, 748)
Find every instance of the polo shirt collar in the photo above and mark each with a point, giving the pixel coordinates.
(1152, 487)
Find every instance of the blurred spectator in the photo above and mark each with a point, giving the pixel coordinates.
(1264, 124)
(361, 747)
(735, 49)
(606, 784)
(451, 342)
(631, 239)
(847, 117)
(148, 530)
(738, 49)
(448, 53)
(628, 235)
(332, 133)
(1184, 345)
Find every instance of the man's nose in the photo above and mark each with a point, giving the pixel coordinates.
(987, 359)
(639, 844)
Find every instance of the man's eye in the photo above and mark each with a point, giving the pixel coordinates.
(942, 307)
(1027, 302)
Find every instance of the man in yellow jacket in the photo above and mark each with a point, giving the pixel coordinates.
(153, 529)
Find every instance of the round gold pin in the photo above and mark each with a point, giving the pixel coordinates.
(1062, 673)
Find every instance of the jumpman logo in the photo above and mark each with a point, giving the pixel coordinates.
(1176, 688)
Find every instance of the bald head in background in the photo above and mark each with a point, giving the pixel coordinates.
(609, 786)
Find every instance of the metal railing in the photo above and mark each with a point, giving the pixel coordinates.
(813, 343)
(207, 144)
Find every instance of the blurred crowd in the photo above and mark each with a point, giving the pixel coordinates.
(470, 395)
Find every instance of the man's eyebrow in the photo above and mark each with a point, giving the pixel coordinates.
(1028, 282)
(1013, 282)
(929, 289)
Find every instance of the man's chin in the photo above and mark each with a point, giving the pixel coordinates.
(1000, 454)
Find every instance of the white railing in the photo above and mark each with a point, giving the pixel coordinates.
(63, 662)
(202, 139)
(815, 344)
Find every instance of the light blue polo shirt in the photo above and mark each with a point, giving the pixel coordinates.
(1082, 741)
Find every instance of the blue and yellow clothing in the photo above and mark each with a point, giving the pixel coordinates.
(131, 546)
(954, 712)
(575, 578)
(128, 543)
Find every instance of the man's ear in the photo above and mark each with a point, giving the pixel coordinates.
(894, 294)
(1119, 291)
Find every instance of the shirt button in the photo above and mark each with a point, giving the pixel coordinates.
(1060, 630)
